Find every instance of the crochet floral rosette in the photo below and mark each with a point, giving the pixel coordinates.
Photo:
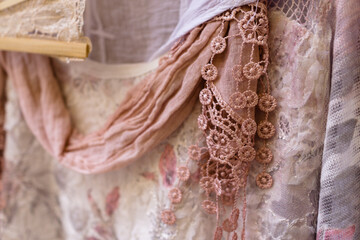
(225, 160)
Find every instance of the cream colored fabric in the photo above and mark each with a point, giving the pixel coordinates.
(57, 19)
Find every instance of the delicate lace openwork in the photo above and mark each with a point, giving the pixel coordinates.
(56, 19)
(229, 135)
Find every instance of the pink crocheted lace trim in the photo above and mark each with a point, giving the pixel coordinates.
(226, 158)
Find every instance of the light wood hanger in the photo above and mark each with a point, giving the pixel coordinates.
(9, 3)
(79, 50)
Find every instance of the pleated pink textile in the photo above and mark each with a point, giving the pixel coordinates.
(149, 113)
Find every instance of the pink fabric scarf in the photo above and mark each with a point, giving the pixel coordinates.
(149, 113)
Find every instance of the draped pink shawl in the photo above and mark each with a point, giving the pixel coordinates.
(150, 112)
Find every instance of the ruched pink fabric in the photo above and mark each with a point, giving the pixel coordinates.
(149, 113)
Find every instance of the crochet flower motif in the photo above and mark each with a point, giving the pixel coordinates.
(209, 206)
(209, 72)
(237, 100)
(264, 180)
(251, 98)
(202, 122)
(218, 45)
(229, 134)
(266, 130)
(237, 73)
(264, 155)
(183, 173)
(254, 29)
(175, 195)
(218, 144)
(194, 152)
(205, 96)
(247, 153)
(267, 103)
(249, 127)
(207, 184)
(168, 217)
(216, 138)
(252, 70)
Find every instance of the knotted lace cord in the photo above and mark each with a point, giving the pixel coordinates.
(230, 138)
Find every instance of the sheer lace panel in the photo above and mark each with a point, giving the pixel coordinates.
(57, 19)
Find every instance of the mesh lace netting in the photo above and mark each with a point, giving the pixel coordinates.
(58, 19)
(339, 203)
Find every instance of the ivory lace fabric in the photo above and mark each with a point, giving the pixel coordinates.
(58, 19)
(42, 194)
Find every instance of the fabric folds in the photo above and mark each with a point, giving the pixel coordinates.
(339, 203)
(148, 114)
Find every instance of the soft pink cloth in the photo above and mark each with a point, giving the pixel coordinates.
(149, 113)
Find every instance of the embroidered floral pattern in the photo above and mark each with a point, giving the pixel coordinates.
(264, 155)
(229, 127)
(194, 152)
(183, 173)
(264, 180)
(209, 72)
(175, 195)
(252, 71)
(267, 103)
(266, 130)
(238, 100)
(205, 96)
(168, 217)
(218, 45)
(251, 98)
(249, 127)
(254, 29)
(247, 153)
